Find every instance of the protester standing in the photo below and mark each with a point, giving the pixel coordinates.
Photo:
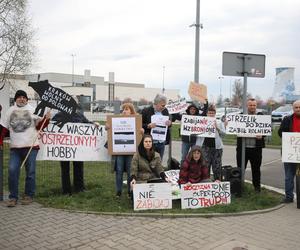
(213, 147)
(23, 127)
(78, 170)
(253, 152)
(158, 108)
(290, 123)
(123, 162)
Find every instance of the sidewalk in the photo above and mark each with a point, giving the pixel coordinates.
(36, 227)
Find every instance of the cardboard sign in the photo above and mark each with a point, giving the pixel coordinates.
(152, 196)
(124, 134)
(248, 125)
(54, 98)
(177, 106)
(198, 92)
(291, 147)
(205, 194)
(202, 126)
(73, 142)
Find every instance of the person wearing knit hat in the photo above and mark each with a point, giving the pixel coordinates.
(20, 93)
(23, 127)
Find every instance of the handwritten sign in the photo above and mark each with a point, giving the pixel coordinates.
(173, 176)
(248, 125)
(73, 142)
(198, 125)
(205, 194)
(198, 92)
(152, 196)
(53, 97)
(291, 147)
(177, 106)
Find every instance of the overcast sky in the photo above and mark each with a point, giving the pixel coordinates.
(136, 38)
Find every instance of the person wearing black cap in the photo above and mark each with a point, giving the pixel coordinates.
(23, 127)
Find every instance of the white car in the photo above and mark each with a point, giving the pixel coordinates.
(282, 111)
(220, 112)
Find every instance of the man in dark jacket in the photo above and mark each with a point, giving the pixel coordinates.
(158, 108)
(253, 152)
(290, 123)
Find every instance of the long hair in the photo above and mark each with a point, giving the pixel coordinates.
(201, 161)
(142, 151)
(130, 106)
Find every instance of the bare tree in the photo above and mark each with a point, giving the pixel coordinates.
(16, 38)
(237, 93)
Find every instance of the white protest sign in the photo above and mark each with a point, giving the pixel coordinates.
(123, 134)
(205, 194)
(291, 147)
(73, 142)
(173, 176)
(202, 126)
(159, 133)
(152, 196)
(177, 106)
(248, 125)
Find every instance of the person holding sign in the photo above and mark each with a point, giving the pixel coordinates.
(23, 127)
(213, 147)
(158, 110)
(194, 169)
(78, 179)
(290, 123)
(123, 162)
(254, 146)
(146, 163)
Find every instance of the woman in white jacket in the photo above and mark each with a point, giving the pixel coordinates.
(213, 147)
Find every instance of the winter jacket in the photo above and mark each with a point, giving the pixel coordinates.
(142, 170)
(286, 125)
(192, 172)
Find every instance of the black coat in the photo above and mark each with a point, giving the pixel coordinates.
(286, 125)
(146, 117)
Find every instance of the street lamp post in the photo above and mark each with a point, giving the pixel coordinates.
(220, 78)
(73, 55)
(198, 26)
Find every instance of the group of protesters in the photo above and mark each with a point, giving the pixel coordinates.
(199, 154)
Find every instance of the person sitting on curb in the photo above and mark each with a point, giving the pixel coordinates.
(146, 164)
(194, 169)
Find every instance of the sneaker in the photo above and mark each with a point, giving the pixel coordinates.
(118, 195)
(26, 200)
(287, 200)
(11, 203)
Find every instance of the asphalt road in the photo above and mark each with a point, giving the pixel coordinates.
(272, 173)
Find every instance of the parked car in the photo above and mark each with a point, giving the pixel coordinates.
(220, 112)
(282, 111)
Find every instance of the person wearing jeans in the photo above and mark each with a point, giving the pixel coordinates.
(23, 127)
(290, 123)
